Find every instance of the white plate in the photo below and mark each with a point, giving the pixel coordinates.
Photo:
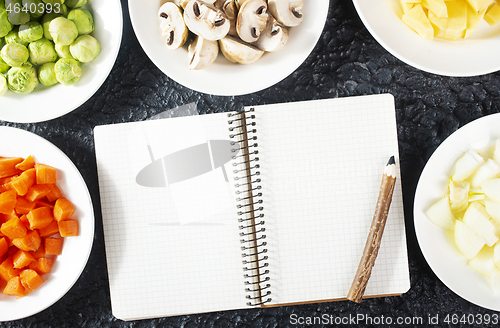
(223, 77)
(69, 265)
(444, 259)
(475, 56)
(46, 103)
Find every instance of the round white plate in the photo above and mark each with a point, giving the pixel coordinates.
(444, 259)
(476, 55)
(76, 250)
(46, 103)
(223, 77)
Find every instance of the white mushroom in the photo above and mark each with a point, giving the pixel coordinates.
(274, 36)
(181, 3)
(172, 25)
(252, 20)
(231, 10)
(202, 53)
(287, 12)
(238, 51)
(205, 20)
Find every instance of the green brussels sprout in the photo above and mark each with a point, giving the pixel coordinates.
(47, 74)
(63, 51)
(30, 32)
(83, 20)
(68, 71)
(63, 31)
(13, 37)
(5, 25)
(3, 84)
(85, 48)
(46, 19)
(15, 54)
(36, 8)
(4, 67)
(75, 3)
(22, 79)
(16, 14)
(42, 51)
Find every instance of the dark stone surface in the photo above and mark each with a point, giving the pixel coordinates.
(346, 62)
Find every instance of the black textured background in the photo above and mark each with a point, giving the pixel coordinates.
(347, 61)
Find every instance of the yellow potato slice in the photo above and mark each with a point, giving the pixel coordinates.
(438, 7)
(492, 15)
(473, 21)
(479, 5)
(416, 19)
(457, 20)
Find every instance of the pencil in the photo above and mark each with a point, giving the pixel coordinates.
(372, 245)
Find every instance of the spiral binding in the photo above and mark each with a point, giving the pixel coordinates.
(250, 208)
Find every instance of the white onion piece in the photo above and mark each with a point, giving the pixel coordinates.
(459, 195)
(440, 214)
(489, 170)
(491, 189)
(483, 262)
(493, 210)
(477, 219)
(468, 242)
(466, 165)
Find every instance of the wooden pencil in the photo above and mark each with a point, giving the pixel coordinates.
(372, 245)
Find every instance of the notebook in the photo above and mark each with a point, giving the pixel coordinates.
(241, 210)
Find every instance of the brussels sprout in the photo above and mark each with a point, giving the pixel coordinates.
(63, 31)
(3, 84)
(5, 25)
(47, 74)
(42, 51)
(22, 79)
(36, 8)
(63, 51)
(46, 19)
(75, 3)
(4, 67)
(68, 71)
(83, 20)
(13, 37)
(15, 54)
(15, 13)
(85, 48)
(30, 31)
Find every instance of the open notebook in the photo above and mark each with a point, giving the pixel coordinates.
(228, 211)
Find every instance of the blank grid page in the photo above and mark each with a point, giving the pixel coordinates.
(321, 167)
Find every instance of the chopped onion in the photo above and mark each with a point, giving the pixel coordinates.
(468, 242)
(477, 219)
(489, 170)
(440, 214)
(483, 262)
(491, 189)
(493, 209)
(466, 165)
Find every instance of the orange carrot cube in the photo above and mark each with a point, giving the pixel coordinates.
(37, 192)
(40, 217)
(54, 193)
(23, 206)
(4, 246)
(8, 201)
(27, 164)
(53, 246)
(14, 228)
(63, 209)
(40, 252)
(68, 228)
(49, 230)
(22, 259)
(31, 280)
(42, 265)
(8, 166)
(31, 242)
(23, 182)
(45, 174)
(7, 270)
(14, 287)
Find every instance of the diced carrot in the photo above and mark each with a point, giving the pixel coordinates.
(31, 280)
(22, 259)
(68, 228)
(40, 217)
(39, 253)
(8, 166)
(4, 246)
(37, 192)
(27, 164)
(14, 287)
(42, 265)
(25, 221)
(31, 242)
(6, 217)
(7, 270)
(5, 183)
(12, 248)
(53, 246)
(45, 174)
(23, 182)
(54, 193)
(8, 201)
(63, 209)
(49, 230)
(23, 206)
(14, 228)
(43, 203)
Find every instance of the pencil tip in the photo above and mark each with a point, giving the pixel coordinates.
(391, 161)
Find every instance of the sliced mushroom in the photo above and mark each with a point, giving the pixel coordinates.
(205, 20)
(274, 37)
(172, 25)
(202, 53)
(287, 12)
(181, 3)
(238, 51)
(252, 20)
(231, 10)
